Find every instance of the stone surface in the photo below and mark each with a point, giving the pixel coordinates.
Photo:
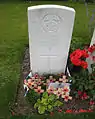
(93, 54)
(50, 31)
(58, 85)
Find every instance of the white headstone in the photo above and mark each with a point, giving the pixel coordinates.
(50, 31)
(89, 59)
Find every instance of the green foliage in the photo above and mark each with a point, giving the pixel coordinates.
(47, 103)
(78, 42)
(32, 96)
(84, 82)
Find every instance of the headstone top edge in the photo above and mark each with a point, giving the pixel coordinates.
(51, 6)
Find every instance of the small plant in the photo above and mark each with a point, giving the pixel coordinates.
(47, 103)
(32, 96)
(83, 83)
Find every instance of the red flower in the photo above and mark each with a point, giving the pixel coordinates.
(76, 56)
(69, 111)
(89, 110)
(91, 102)
(60, 110)
(84, 64)
(79, 92)
(82, 110)
(85, 53)
(76, 111)
(84, 96)
(51, 113)
(13, 113)
(91, 48)
(76, 61)
(93, 58)
(77, 53)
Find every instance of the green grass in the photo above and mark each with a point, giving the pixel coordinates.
(14, 37)
(58, 116)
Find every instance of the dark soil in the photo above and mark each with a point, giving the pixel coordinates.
(22, 107)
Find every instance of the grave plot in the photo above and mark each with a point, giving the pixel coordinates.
(54, 79)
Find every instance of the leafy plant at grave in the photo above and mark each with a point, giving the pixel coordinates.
(78, 42)
(47, 103)
(32, 96)
(84, 82)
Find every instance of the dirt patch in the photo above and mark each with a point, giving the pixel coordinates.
(22, 107)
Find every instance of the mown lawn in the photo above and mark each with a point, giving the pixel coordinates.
(58, 116)
(14, 37)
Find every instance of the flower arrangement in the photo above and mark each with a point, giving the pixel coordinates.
(41, 86)
(51, 91)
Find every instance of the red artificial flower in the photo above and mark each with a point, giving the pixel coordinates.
(77, 53)
(12, 113)
(76, 111)
(69, 111)
(91, 102)
(60, 110)
(93, 58)
(76, 56)
(89, 110)
(84, 96)
(51, 113)
(79, 92)
(85, 53)
(91, 48)
(76, 61)
(82, 110)
(84, 64)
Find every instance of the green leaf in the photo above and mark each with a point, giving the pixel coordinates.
(41, 109)
(80, 87)
(45, 95)
(52, 97)
(58, 103)
(44, 101)
(93, 97)
(86, 87)
(93, 92)
(73, 81)
(38, 101)
(36, 105)
(90, 87)
(50, 108)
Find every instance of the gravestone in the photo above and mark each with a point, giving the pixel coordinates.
(89, 59)
(50, 31)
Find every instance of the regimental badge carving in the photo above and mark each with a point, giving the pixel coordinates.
(51, 22)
